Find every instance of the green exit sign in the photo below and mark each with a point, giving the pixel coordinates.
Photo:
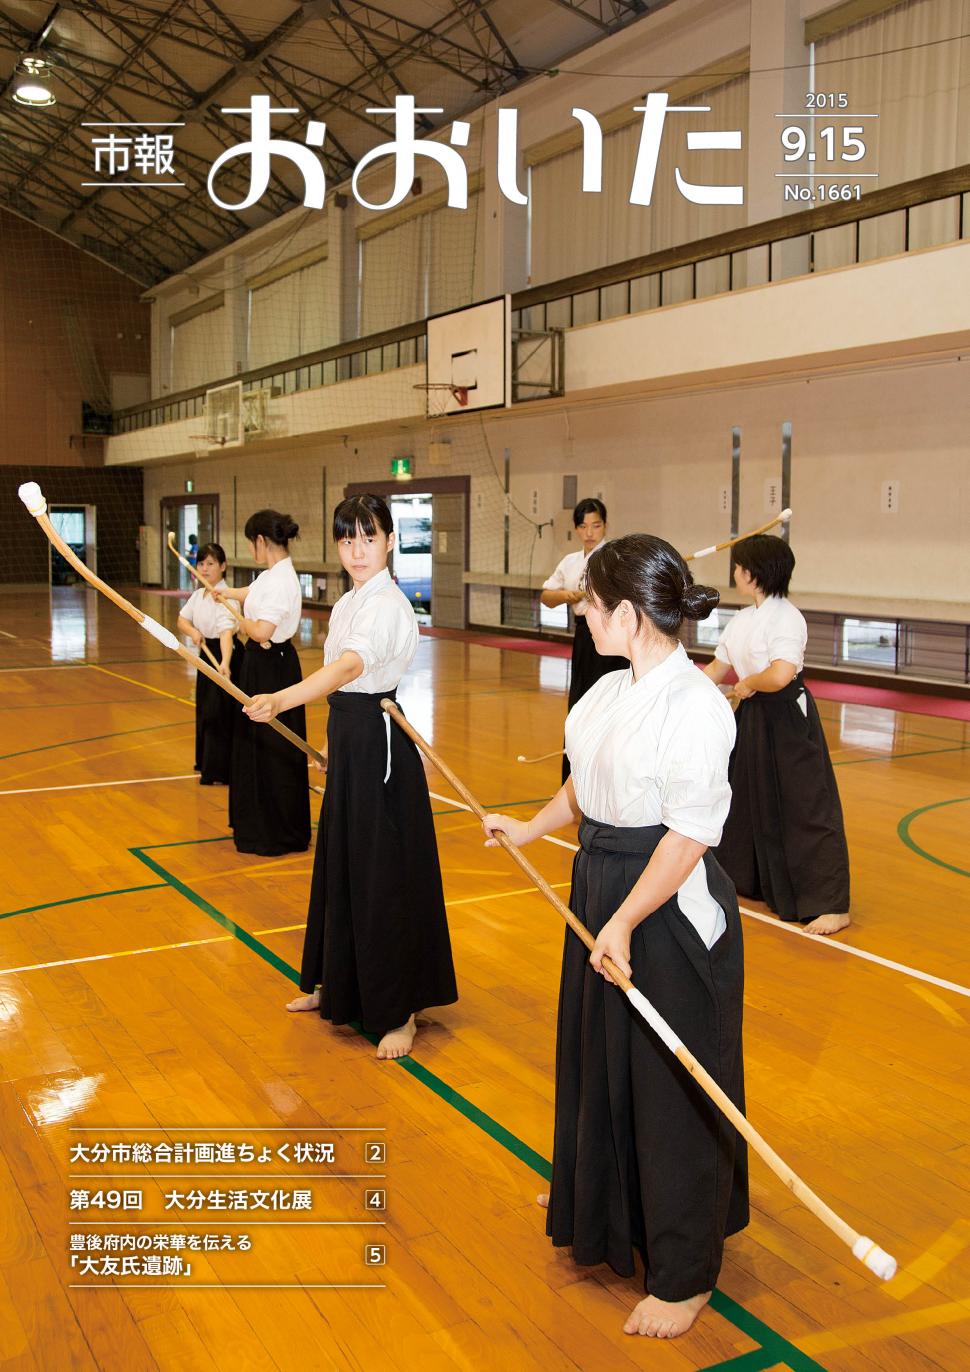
(402, 467)
(189, 487)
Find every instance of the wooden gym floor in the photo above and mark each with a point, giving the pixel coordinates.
(143, 970)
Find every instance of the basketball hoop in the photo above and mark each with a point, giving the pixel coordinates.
(437, 393)
(204, 443)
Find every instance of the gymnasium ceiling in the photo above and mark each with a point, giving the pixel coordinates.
(147, 61)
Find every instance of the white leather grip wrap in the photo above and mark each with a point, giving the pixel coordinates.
(659, 1026)
(151, 626)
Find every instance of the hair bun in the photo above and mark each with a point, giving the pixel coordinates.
(699, 601)
(289, 528)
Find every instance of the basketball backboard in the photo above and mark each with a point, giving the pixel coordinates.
(471, 350)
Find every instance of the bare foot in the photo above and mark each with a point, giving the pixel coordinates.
(827, 924)
(543, 1199)
(657, 1319)
(396, 1043)
(311, 1002)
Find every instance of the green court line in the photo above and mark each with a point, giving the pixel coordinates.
(184, 843)
(898, 757)
(904, 827)
(491, 809)
(73, 704)
(905, 729)
(756, 1361)
(253, 944)
(778, 1349)
(74, 900)
(773, 1344)
(98, 738)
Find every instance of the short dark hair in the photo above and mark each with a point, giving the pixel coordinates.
(215, 550)
(273, 526)
(587, 507)
(369, 511)
(651, 574)
(768, 559)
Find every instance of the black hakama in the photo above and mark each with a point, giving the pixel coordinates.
(215, 718)
(642, 1158)
(784, 839)
(377, 935)
(587, 667)
(269, 799)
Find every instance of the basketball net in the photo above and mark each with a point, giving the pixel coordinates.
(438, 394)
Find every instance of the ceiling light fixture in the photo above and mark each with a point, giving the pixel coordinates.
(32, 85)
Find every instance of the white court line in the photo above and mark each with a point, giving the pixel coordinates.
(820, 940)
(106, 957)
(92, 785)
(829, 942)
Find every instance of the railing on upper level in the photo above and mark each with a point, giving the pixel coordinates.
(930, 211)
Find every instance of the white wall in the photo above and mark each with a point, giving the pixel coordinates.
(659, 463)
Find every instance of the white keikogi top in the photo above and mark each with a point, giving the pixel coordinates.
(655, 751)
(569, 574)
(376, 622)
(762, 634)
(206, 614)
(276, 596)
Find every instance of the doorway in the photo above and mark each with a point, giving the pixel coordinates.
(412, 558)
(442, 501)
(194, 520)
(78, 527)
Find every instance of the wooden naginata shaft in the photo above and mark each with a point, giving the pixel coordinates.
(868, 1252)
(30, 493)
(228, 601)
(783, 518)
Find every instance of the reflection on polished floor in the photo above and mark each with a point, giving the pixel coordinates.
(144, 966)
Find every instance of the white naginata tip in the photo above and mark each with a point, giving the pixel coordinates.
(705, 552)
(875, 1258)
(164, 636)
(33, 497)
(520, 758)
(785, 516)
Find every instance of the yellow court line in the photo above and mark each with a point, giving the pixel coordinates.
(150, 742)
(922, 1270)
(951, 1015)
(132, 681)
(871, 1331)
(501, 895)
(470, 900)
(259, 869)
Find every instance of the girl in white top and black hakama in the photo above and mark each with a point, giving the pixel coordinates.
(563, 588)
(269, 799)
(784, 840)
(208, 622)
(377, 948)
(643, 1161)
